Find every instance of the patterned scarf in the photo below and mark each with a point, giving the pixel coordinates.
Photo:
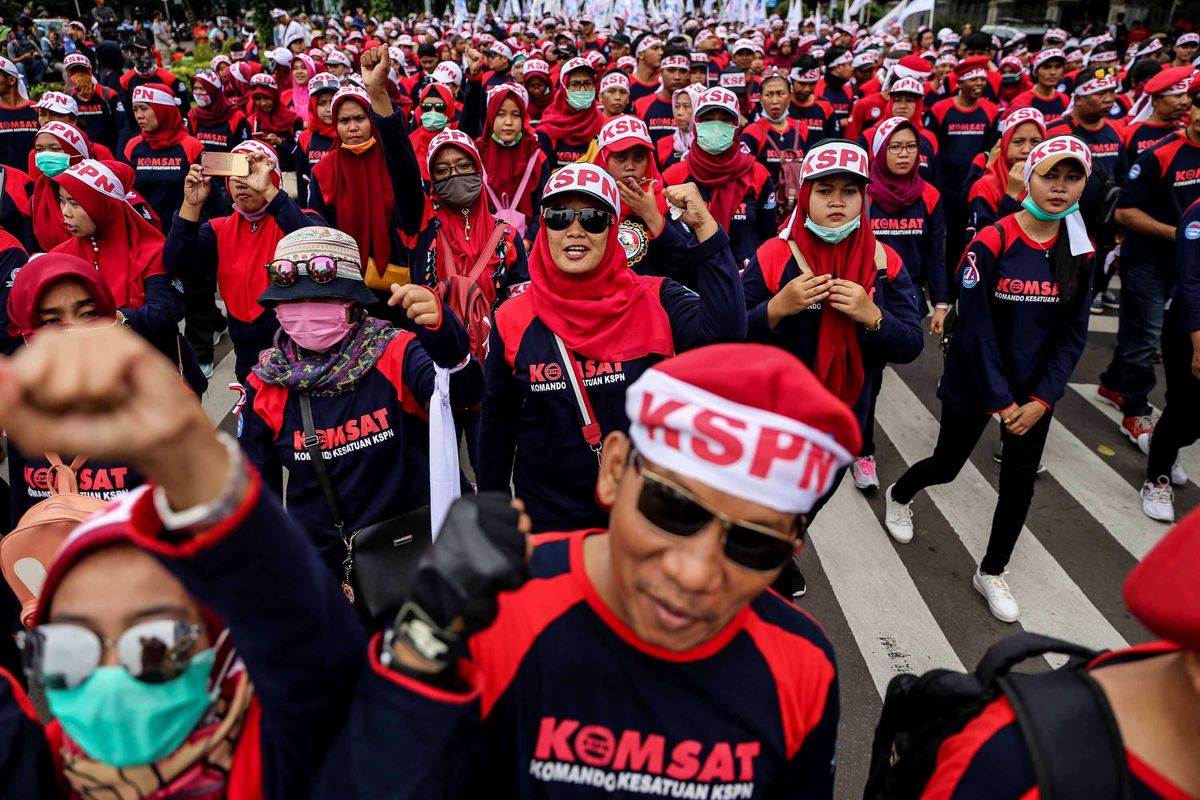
(334, 372)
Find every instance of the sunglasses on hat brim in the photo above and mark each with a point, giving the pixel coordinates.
(284, 272)
(592, 220)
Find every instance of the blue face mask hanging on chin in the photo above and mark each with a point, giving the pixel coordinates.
(832, 235)
(123, 722)
(1046, 216)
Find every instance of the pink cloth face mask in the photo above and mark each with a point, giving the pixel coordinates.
(314, 325)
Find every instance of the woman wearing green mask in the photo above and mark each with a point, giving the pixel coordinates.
(573, 119)
(739, 191)
(434, 114)
(1023, 301)
(57, 146)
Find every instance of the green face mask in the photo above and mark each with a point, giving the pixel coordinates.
(434, 120)
(121, 721)
(581, 100)
(1045, 216)
(714, 136)
(832, 235)
(513, 143)
(51, 163)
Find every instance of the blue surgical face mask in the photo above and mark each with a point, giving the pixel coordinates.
(1046, 216)
(52, 163)
(832, 235)
(581, 100)
(434, 120)
(714, 136)
(123, 722)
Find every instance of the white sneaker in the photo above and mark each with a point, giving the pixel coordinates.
(1179, 475)
(999, 597)
(898, 519)
(863, 470)
(1158, 501)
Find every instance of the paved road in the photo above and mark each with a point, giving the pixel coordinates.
(890, 608)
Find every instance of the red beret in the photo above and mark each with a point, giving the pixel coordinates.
(1163, 591)
(972, 64)
(1168, 78)
(916, 64)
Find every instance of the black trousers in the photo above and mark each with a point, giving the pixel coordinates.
(1179, 425)
(201, 317)
(959, 433)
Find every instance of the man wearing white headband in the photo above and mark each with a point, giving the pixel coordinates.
(18, 118)
(655, 109)
(1160, 185)
(1047, 68)
(1163, 106)
(1023, 315)
(835, 89)
(1185, 49)
(728, 447)
(648, 50)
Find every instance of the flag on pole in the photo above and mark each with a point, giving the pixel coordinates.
(887, 19)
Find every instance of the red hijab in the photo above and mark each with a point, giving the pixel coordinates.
(894, 192)
(993, 184)
(280, 120)
(48, 226)
(218, 111)
(163, 102)
(462, 234)
(31, 283)
(562, 123)
(505, 166)
(125, 248)
(727, 176)
(422, 136)
(358, 187)
(653, 176)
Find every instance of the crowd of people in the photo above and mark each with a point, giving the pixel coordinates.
(629, 294)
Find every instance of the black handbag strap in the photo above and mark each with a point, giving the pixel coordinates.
(312, 447)
(1071, 734)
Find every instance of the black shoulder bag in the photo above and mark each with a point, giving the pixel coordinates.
(380, 558)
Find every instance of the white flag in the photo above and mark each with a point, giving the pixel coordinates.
(916, 7)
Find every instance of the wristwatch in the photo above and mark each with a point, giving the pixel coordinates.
(878, 324)
(194, 520)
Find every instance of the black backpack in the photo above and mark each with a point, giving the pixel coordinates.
(1063, 715)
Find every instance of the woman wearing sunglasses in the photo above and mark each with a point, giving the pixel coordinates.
(1022, 324)
(107, 232)
(235, 247)
(571, 122)
(435, 111)
(368, 383)
(654, 243)
(562, 354)
(738, 190)
(829, 292)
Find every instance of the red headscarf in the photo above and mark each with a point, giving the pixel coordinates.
(461, 235)
(727, 176)
(562, 123)
(125, 248)
(163, 102)
(993, 184)
(505, 166)
(280, 120)
(652, 174)
(48, 226)
(358, 186)
(218, 111)
(421, 136)
(609, 313)
(31, 283)
(893, 192)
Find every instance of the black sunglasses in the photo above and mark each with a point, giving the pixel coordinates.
(592, 220)
(439, 107)
(675, 511)
(320, 269)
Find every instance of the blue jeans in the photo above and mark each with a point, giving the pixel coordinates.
(1131, 372)
(32, 71)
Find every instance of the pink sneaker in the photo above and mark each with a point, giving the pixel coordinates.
(863, 470)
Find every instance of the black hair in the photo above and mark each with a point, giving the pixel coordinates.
(805, 62)
(1070, 272)
(1142, 70)
(976, 41)
(833, 53)
(426, 50)
(677, 50)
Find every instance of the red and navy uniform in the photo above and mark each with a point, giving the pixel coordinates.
(562, 153)
(638, 90)
(899, 339)
(961, 135)
(160, 173)
(1163, 182)
(867, 113)
(982, 213)
(657, 114)
(101, 115)
(990, 759)
(555, 474)
(29, 479)
(27, 765)
(12, 258)
(1120, 108)
(311, 148)
(14, 212)
(840, 98)
(224, 137)
(570, 703)
(1014, 342)
(1139, 137)
(665, 255)
(767, 144)
(753, 220)
(918, 235)
(817, 115)
(493, 78)
(927, 149)
(18, 128)
(376, 434)
(132, 79)
(1108, 156)
(599, 44)
(1051, 109)
(666, 154)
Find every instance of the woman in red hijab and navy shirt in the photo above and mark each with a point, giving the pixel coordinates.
(587, 312)
(163, 152)
(738, 190)
(567, 128)
(272, 122)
